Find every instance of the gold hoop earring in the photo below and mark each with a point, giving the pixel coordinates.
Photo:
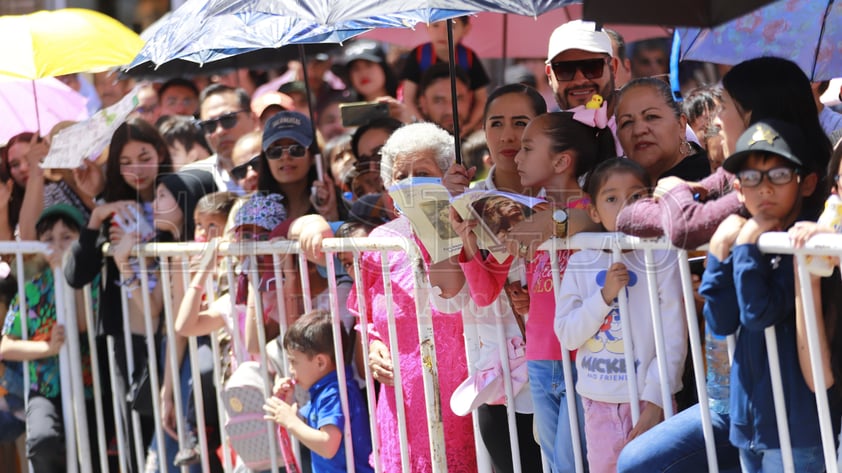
(684, 147)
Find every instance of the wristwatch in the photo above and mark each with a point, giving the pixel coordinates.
(560, 221)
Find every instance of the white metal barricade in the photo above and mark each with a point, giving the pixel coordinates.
(76, 428)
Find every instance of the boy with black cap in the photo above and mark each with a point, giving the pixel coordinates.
(58, 226)
(747, 291)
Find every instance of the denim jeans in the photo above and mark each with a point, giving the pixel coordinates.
(549, 395)
(806, 460)
(677, 445)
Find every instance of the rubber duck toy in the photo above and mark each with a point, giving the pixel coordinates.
(595, 102)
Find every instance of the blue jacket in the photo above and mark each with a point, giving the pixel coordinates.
(751, 291)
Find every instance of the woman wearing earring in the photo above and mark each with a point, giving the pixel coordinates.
(651, 128)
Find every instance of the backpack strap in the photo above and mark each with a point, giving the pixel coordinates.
(425, 56)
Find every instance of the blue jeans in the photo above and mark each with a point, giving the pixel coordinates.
(806, 460)
(677, 445)
(552, 419)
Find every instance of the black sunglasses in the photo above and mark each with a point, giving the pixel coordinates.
(239, 172)
(591, 69)
(295, 151)
(228, 121)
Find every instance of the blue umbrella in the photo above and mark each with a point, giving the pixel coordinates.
(807, 32)
(332, 12)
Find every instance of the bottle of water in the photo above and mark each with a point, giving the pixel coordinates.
(831, 217)
(718, 371)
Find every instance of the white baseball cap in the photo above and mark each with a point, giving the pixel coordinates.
(578, 34)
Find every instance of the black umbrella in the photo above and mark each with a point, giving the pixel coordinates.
(698, 13)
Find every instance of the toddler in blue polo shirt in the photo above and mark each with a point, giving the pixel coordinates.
(319, 424)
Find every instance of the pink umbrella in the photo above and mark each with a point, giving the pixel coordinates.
(56, 102)
(526, 37)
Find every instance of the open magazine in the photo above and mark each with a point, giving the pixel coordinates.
(426, 202)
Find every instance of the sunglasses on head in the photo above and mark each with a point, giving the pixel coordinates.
(295, 151)
(777, 176)
(228, 121)
(591, 69)
(239, 171)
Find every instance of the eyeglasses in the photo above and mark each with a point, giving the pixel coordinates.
(295, 151)
(777, 176)
(591, 69)
(241, 170)
(228, 121)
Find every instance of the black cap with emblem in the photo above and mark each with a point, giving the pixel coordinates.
(768, 136)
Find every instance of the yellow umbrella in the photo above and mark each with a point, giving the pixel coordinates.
(66, 41)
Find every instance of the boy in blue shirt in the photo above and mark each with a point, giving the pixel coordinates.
(319, 424)
(747, 291)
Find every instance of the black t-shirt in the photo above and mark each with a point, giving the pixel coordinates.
(693, 168)
(424, 56)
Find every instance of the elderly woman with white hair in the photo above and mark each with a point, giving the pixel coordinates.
(416, 150)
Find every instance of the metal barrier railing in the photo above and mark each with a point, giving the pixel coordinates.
(79, 457)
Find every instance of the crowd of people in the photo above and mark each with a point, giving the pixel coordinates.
(242, 159)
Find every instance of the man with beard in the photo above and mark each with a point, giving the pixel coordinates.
(581, 63)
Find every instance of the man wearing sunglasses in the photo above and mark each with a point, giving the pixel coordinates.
(580, 63)
(225, 116)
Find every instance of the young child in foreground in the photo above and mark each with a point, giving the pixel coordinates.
(588, 318)
(747, 291)
(319, 423)
(58, 226)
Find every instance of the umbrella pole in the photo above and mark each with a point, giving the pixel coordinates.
(320, 168)
(450, 51)
(37, 114)
(505, 55)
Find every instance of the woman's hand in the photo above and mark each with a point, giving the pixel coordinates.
(123, 249)
(103, 212)
(380, 361)
(465, 229)
(324, 198)
(397, 110)
(725, 236)
(38, 149)
(801, 232)
(651, 416)
(89, 178)
(456, 179)
(284, 389)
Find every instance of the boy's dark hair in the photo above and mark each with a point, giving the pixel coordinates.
(181, 129)
(701, 101)
(8, 287)
(216, 203)
(597, 178)
(441, 70)
(311, 334)
(350, 228)
(178, 82)
(48, 222)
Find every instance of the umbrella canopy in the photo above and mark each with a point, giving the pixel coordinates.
(331, 12)
(193, 41)
(53, 43)
(699, 13)
(808, 32)
(56, 102)
(486, 37)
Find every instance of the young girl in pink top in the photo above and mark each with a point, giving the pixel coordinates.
(556, 151)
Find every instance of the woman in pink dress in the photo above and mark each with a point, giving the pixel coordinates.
(417, 150)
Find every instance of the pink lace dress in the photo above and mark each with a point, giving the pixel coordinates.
(450, 352)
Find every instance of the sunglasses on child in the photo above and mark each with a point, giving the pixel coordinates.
(295, 151)
(591, 69)
(240, 171)
(228, 121)
(777, 176)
